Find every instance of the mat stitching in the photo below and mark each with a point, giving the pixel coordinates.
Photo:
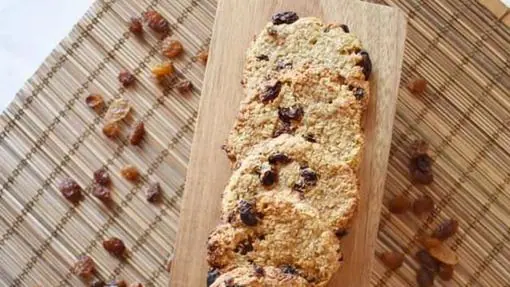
(66, 159)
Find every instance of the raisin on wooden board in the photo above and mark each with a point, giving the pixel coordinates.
(114, 246)
(137, 134)
(421, 170)
(111, 130)
(163, 70)
(392, 259)
(184, 87)
(399, 204)
(427, 261)
(135, 26)
(203, 57)
(171, 48)
(103, 193)
(84, 267)
(425, 278)
(102, 177)
(445, 272)
(446, 229)
(417, 86)
(130, 173)
(156, 22)
(70, 189)
(95, 101)
(423, 205)
(126, 78)
(153, 193)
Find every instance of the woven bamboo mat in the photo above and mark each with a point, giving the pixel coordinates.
(48, 133)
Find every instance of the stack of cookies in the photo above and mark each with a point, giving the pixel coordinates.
(295, 148)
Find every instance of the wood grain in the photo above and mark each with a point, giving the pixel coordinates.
(382, 31)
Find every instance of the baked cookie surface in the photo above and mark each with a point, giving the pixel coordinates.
(259, 277)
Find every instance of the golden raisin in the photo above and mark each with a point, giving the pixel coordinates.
(115, 246)
(130, 173)
(417, 86)
(84, 267)
(423, 204)
(161, 70)
(118, 110)
(184, 87)
(156, 22)
(95, 102)
(446, 229)
(135, 26)
(137, 134)
(126, 79)
(392, 259)
(111, 130)
(171, 48)
(203, 57)
(399, 204)
(445, 272)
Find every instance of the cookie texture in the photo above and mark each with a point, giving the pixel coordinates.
(299, 170)
(319, 105)
(259, 277)
(272, 231)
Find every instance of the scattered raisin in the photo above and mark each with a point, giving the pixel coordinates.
(446, 229)
(345, 28)
(279, 158)
(117, 111)
(419, 147)
(126, 79)
(392, 259)
(294, 113)
(184, 86)
(299, 186)
(130, 173)
(95, 102)
(84, 267)
(101, 192)
(203, 57)
(102, 177)
(310, 138)
(446, 272)
(427, 261)
(425, 277)
(259, 271)
(156, 22)
(268, 176)
(153, 193)
(262, 58)
(135, 26)
(399, 204)
(97, 283)
(289, 269)
(137, 133)
(309, 176)
(244, 247)
(212, 275)
(70, 189)
(271, 92)
(283, 128)
(287, 17)
(366, 63)
(246, 213)
(420, 168)
(417, 86)
(341, 233)
(171, 48)
(359, 93)
(162, 70)
(111, 130)
(114, 246)
(423, 204)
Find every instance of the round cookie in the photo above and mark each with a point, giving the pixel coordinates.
(291, 167)
(259, 277)
(271, 231)
(320, 106)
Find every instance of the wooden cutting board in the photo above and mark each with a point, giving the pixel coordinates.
(382, 31)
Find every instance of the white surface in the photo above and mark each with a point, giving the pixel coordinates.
(29, 30)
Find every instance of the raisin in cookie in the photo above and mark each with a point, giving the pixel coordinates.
(320, 106)
(272, 231)
(299, 170)
(259, 277)
(304, 43)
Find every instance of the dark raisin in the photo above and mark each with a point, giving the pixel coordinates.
(280, 65)
(135, 26)
(345, 28)
(299, 186)
(279, 158)
(446, 229)
(115, 246)
(156, 22)
(446, 272)
(425, 278)
(420, 168)
(289, 269)
(102, 192)
(70, 190)
(184, 87)
(427, 261)
(126, 79)
(283, 128)
(341, 232)
(417, 86)
(153, 193)
(310, 138)
(422, 205)
(271, 92)
(359, 93)
(261, 237)
(137, 134)
(392, 259)
(262, 58)
(97, 283)
(102, 177)
(244, 247)
(84, 267)
(309, 176)
(287, 17)
(366, 63)
(294, 113)
(268, 176)
(246, 213)
(212, 275)
(259, 271)
(399, 204)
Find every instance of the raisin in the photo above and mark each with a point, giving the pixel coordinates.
(420, 168)
(162, 70)
(289, 269)
(111, 130)
(117, 111)
(70, 189)
(366, 63)
(203, 57)
(156, 22)
(309, 176)
(443, 253)
(359, 93)
(345, 28)
(283, 128)
(392, 259)
(341, 233)
(171, 48)
(101, 192)
(246, 213)
(271, 92)
(280, 65)
(153, 193)
(446, 229)
(259, 271)
(427, 261)
(423, 204)
(130, 173)
(417, 86)
(135, 26)
(212, 275)
(84, 267)
(137, 134)
(287, 17)
(95, 102)
(445, 272)
(299, 186)
(244, 247)
(262, 58)
(294, 113)
(279, 158)
(126, 79)
(114, 246)
(97, 283)
(399, 204)
(310, 138)
(184, 87)
(425, 278)
(268, 176)
(102, 177)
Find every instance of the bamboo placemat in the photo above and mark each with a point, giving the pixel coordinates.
(48, 133)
